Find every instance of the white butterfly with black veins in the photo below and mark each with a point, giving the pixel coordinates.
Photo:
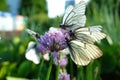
(81, 44)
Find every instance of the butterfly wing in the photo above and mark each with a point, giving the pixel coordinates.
(67, 12)
(84, 38)
(89, 34)
(31, 53)
(75, 16)
(33, 34)
(76, 22)
(78, 54)
(82, 53)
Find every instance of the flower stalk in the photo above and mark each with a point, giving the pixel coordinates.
(49, 69)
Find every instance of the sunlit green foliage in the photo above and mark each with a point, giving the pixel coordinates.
(4, 6)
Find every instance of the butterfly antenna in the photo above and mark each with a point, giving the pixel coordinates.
(58, 18)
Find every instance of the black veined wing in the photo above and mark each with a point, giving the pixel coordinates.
(33, 34)
(81, 53)
(89, 34)
(74, 17)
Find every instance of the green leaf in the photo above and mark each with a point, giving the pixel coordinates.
(24, 69)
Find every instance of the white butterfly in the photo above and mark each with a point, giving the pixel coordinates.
(81, 44)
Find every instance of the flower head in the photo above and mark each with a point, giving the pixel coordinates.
(64, 76)
(54, 40)
(63, 62)
(55, 58)
(60, 57)
(42, 49)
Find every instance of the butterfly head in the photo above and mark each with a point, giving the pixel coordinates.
(64, 26)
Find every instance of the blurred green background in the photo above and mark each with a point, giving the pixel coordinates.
(14, 66)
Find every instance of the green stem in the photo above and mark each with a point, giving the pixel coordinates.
(40, 67)
(57, 72)
(71, 69)
(89, 72)
(49, 69)
(80, 73)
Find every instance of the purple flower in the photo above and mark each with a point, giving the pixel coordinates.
(63, 62)
(54, 40)
(59, 58)
(42, 49)
(64, 76)
(55, 58)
